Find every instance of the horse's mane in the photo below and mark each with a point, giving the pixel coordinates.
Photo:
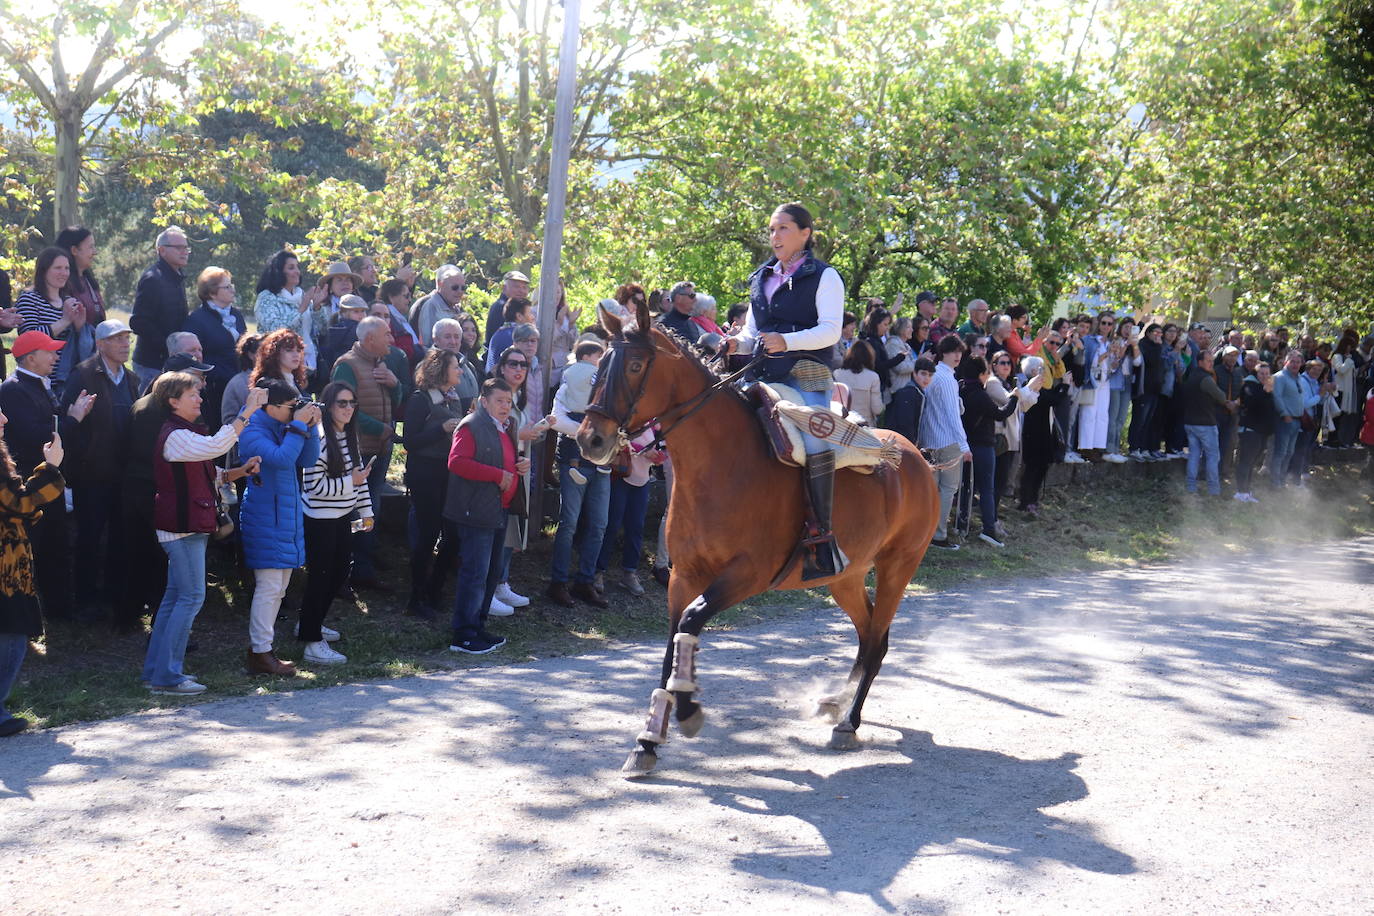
(696, 356)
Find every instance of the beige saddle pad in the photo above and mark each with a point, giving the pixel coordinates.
(854, 444)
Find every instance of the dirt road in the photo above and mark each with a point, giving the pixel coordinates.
(1159, 740)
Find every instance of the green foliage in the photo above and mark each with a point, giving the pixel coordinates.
(1149, 151)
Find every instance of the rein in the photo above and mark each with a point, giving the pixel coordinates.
(668, 420)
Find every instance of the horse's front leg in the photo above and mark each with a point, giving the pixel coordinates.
(678, 682)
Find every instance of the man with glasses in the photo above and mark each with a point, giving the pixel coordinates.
(977, 323)
(678, 317)
(450, 288)
(160, 304)
(514, 285)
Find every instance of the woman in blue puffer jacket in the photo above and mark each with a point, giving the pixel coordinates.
(284, 437)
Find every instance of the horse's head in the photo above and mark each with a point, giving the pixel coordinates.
(628, 393)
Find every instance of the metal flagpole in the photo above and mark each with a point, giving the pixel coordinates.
(549, 264)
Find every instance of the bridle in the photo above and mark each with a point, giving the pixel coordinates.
(614, 376)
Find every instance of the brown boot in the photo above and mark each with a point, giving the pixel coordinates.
(268, 663)
(558, 593)
(588, 593)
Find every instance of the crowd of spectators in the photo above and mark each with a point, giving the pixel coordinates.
(134, 446)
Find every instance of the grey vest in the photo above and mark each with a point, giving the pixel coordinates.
(477, 503)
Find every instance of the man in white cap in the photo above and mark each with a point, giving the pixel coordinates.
(97, 477)
(514, 285)
(450, 288)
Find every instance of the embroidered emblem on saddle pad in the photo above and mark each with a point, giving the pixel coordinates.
(855, 446)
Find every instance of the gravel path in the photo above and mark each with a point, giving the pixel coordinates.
(1143, 741)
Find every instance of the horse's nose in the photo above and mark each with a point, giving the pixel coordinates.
(596, 440)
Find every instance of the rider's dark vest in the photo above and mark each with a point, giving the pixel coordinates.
(793, 309)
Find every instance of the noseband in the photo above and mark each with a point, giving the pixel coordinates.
(614, 376)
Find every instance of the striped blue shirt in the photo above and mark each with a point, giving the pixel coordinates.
(940, 423)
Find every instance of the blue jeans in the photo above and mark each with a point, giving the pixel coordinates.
(479, 571)
(1302, 454)
(812, 399)
(985, 482)
(1202, 445)
(12, 649)
(180, 604)
(1285, 438)
(364, 542)
(1116, 419)
(628, 505)
(587, 502)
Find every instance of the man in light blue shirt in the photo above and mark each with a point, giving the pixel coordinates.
(1288, 404)
(942, 432)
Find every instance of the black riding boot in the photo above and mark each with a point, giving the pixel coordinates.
(822, 556)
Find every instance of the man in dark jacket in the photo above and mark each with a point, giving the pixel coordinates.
(1230, 376)
(31, 413)
(160, 304)
(514, 285)
(96, 477)
(1201, 400)
(678, 316)
(903, 414)
(211, 324)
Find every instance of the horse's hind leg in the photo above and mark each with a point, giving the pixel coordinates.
(893, 576)
(852, 597)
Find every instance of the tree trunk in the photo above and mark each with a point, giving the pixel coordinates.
(66, 206)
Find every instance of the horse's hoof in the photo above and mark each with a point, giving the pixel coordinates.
(828, 710)
(844, 739)
(690, 727)
(639, 763)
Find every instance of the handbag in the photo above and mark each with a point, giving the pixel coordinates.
(1001, 445)
(1087, 397)
(224, 522)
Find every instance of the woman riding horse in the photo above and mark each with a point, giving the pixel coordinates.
(731, 541)
(796, 310)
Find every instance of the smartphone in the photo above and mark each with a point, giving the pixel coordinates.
(56, 421)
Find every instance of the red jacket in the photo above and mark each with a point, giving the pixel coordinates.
(1367, 431)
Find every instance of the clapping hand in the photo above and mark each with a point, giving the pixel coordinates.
(52, 451)
(76, 312)
(81, 406)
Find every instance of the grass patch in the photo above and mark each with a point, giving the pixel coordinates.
(81, 672)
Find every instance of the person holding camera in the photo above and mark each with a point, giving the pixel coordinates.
(283, 435)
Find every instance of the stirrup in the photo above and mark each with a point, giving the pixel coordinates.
(821, 554)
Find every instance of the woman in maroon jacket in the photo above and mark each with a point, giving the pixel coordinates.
(184, 515)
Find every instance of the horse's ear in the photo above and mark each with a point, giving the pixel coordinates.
(610, 322)
(642, 316)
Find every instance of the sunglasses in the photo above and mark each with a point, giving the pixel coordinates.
(345, 403)
(516, 364)
(1002, 362)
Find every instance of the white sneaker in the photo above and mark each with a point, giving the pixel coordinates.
(989, 539)
(499, 608)
(328, 634)
(1072, 457)
(507, 596)
(319, 653)
(1115, 459)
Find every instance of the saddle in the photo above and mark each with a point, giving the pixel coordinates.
(783, 416)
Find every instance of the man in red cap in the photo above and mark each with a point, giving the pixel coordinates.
(32, 415)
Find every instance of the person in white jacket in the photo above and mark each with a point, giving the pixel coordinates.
(999, 387)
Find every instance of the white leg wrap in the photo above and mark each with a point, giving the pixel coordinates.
(660, 708)
(684, 678)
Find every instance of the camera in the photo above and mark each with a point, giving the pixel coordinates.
(305, 402)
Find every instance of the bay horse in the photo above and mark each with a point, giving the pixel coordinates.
(735, 516)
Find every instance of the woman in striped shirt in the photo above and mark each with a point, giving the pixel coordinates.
(45, 309)
(333, 488)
